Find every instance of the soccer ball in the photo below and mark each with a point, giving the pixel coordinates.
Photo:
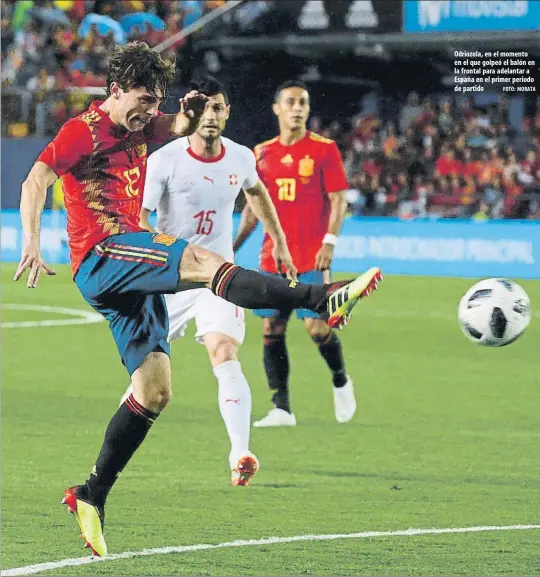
(494, 312)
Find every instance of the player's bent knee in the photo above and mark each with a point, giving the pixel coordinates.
(274, 327)
(153, 395)
(199, 265)
(319, 332)
(163, 395)
(222, 349)
(152, 382)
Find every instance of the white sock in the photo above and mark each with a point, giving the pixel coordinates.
(234, 397)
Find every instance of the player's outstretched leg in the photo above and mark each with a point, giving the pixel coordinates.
(252, 290)
(125, 433)
(330, 348)
(334, 301)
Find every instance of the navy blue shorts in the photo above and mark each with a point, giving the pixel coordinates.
(312, 277)
(124, 278)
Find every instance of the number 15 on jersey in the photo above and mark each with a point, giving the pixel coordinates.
(205, 224)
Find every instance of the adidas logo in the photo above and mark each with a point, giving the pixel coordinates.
(338, 298)
(287, 159)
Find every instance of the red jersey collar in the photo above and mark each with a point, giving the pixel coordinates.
(120, 132)
(306, 135)
(95, 105)
(206, 158)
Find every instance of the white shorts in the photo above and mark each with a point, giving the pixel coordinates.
(212, 314)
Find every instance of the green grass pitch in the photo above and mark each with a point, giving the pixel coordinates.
(446, 435)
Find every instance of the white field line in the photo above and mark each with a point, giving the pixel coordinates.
(81, 317)
(75, 562)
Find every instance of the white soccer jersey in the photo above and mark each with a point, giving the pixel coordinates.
(194, 196)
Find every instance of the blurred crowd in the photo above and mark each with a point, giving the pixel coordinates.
(438, 156)
(51, 46)
(441, 159)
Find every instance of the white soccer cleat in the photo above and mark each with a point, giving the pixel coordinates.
(277, 418)
(344, 402)
(126, 394)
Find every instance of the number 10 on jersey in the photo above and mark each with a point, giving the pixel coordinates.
(286, 189)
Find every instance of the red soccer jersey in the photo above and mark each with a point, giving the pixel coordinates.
(103, 168)
(299, 178)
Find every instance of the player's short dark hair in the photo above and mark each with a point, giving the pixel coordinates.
(289, 84)
(136, 65)
(209, 86)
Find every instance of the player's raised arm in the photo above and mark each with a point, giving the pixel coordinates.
(263, 209)
(185, 122)
(335, 183)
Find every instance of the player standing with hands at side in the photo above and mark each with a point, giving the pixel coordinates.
(306, 179)
(123, 271)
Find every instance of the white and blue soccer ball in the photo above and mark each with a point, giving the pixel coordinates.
(494, 312)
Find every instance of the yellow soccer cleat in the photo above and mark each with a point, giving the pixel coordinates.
(245, 470)
(90, 519)
(343, 296)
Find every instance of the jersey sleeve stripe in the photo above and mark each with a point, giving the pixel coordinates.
(259, 149)
(318, 138)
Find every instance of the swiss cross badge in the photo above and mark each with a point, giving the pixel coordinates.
(233, 179)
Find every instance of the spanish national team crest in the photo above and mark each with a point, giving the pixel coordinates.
(233, 179)
(166, 239)
(305, 166)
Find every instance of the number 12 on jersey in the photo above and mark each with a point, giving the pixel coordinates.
(286, 189)
(132, 176)
(205, 224)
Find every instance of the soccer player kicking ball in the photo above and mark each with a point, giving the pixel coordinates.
(306, 179)
(193, 183)
(123, 271)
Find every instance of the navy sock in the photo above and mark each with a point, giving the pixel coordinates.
(276, 365)
(332, 352)
(252, 290)
(125, 433)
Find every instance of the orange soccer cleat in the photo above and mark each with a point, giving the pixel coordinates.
(246, 468)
